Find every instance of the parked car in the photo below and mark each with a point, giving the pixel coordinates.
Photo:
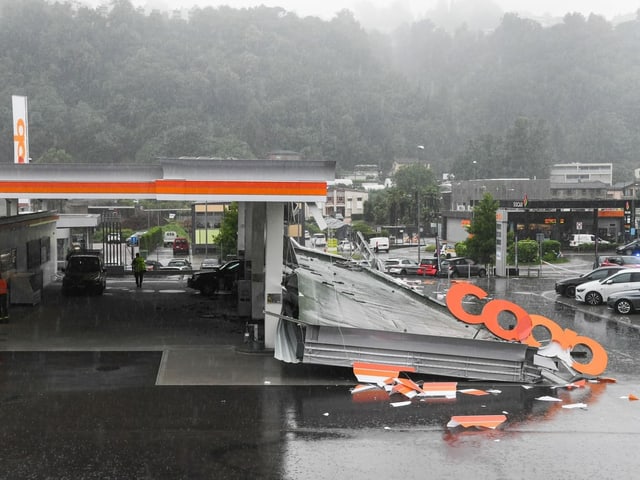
(177, 264)
(408, 267)
(567, 287)
(168, 237)
(598, 291)
(461, 267)
(346, 246)
(631, 248)
(625, 302)
(209, 282)
(379, 244)
(319, 240)
(627, 261)
(210, 264)
(84, 273)
(428, 267)
(181, 246)
(447, 250)
(152, 265)
(397, 262)
(578, 239)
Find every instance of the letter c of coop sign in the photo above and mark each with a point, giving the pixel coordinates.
(524, 329)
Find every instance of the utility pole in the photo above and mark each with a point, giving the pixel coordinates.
(418, 195)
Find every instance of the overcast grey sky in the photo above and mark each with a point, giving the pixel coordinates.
(326, 8)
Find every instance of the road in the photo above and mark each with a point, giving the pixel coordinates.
(153, 383)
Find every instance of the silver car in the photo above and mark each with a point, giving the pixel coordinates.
(625, 302)
(210, 264)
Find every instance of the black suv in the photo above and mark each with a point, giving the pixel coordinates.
(461, 267)
(84, 272)
(224, 278)
(567, 287)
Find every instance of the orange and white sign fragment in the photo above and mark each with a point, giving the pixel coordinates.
(478, 421)
(606, 380)
(406, 387)
(369, 393)
(473, 391)
(547, 398)
(631, 397)
(439, 389)
(375, 373)
(363, 388)
(570, 386)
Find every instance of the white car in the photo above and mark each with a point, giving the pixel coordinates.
(447, 250)
(319, 240)
(406, 267)
(346, 246)
(177, 264)
(397, 264)
(597, 291)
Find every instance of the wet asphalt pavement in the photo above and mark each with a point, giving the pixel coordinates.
(153, 384)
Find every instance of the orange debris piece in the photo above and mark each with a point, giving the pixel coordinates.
(374, 372)
(482, 421)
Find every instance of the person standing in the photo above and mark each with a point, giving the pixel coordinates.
(138, 266)
(4, 300)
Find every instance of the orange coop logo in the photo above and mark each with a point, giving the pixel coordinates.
(21, 140)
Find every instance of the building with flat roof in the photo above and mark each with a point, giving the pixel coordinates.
(582, 173)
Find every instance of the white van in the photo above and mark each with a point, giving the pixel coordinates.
(379, 244)
(578, 239)
(169, 237)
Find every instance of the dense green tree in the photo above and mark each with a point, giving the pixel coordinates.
(363, 228)
(523, 152)
(414, 198)
(481, 243)
(227, 237)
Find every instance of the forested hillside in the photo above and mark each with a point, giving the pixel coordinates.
(116, 85)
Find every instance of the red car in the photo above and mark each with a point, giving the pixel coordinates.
(428, 267)
(180, 246)
(626, 261)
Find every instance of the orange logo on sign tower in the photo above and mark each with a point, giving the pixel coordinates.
(20, 139)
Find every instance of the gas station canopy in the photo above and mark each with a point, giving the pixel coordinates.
(184, 178)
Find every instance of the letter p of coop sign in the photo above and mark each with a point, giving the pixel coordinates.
(20, 129)
(523, 331)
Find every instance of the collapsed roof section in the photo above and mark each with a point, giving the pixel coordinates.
(337, 313)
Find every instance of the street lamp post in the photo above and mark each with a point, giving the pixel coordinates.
(420, 149)
(475, 170)
(418, 221)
